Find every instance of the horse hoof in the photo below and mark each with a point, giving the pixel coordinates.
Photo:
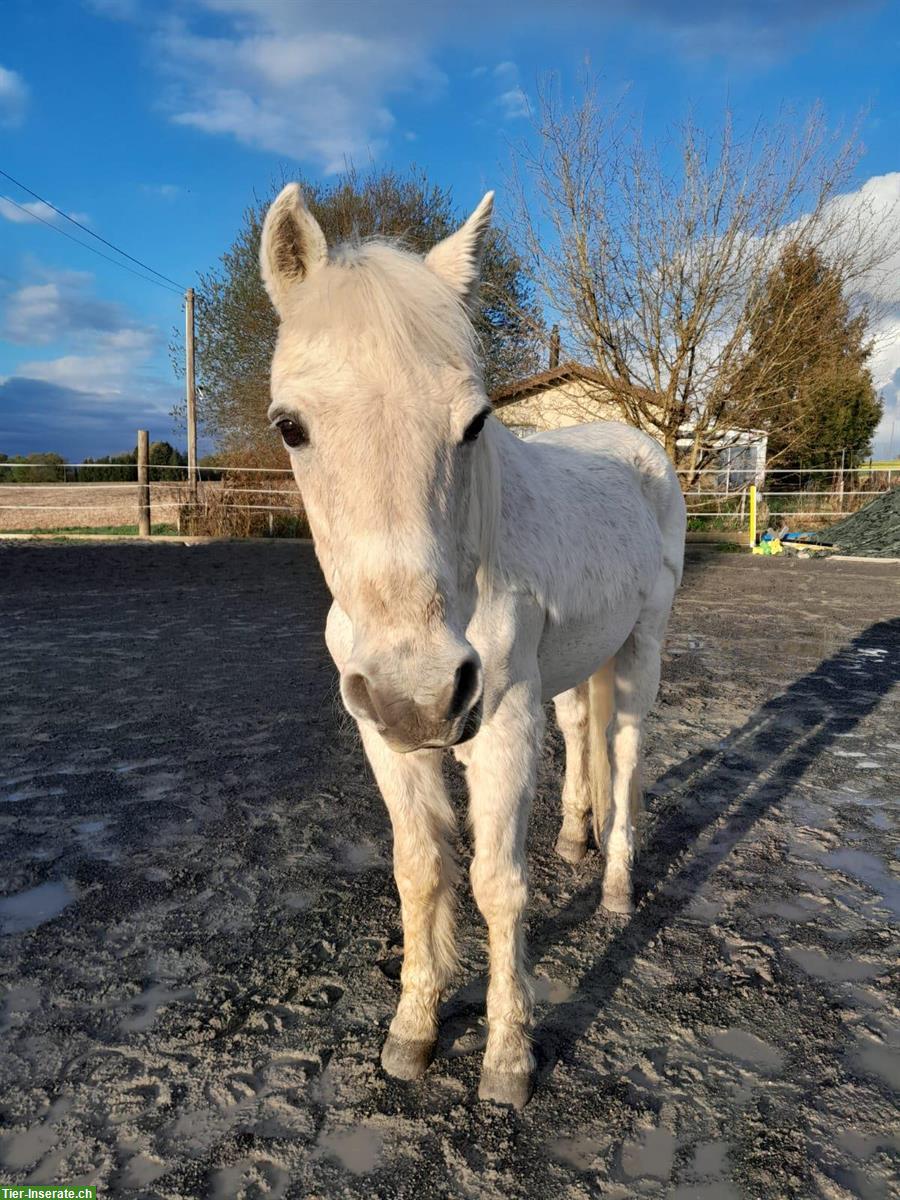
(406, 1060)
(506, 1087)
(619, 904)
(570, 850)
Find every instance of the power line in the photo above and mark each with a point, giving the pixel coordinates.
(33, 216)
(73, 221)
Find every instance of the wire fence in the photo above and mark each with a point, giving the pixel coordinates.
(804, 500)
(232, 501)
(263, 501)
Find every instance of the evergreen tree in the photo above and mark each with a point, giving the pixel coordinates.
(236, 325)
(807, 361)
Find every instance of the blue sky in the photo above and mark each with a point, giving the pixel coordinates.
(154, 123)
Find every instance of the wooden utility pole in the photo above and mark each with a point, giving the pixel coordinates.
(143, 466)
(190, 389)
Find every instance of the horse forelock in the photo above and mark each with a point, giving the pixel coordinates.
(378, 294)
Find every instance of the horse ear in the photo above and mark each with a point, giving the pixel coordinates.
(457, 259)
(292, 245)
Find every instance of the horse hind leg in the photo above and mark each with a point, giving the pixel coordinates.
(637, 672)
(583, 715)
(573, 712)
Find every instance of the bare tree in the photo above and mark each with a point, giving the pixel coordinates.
(656, 257)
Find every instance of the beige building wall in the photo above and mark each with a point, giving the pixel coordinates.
(570, 403)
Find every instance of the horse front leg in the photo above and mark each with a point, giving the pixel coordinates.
(502, 768)
(425, 872)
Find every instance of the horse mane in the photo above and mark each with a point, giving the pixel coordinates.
(488, 496)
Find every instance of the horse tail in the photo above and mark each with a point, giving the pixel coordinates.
(601, 699)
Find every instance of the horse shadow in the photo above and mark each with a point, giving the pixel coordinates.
(756, 766)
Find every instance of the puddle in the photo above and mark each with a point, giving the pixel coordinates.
(781, 908)
(878, 1059)
(143, 1170)
(22, 999)
(577, 1152)
(150, 1002)
(835, 970)
(749, 1049)
(249, 1178)
(361, 857)
(19, 1150)
(709, 1158)
(89, 827)
(652, 1155)
(160, 785)
(123, 768)
(704, 910)
(358, 1149)
(863, 1147)
(869, 870)
(705, 1191)
(550, 991)
(31, 794)
(28, 910)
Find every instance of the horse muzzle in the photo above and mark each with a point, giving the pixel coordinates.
(406, 725)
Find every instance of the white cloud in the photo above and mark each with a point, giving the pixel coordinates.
(13, 97)
(120, 10)
(26, 212)
(875, 206)
(107, 372)
(56, 304)
(316, 81)
(293, 87)
(885, 365)
(514, 103)
(165, 191)
(109, 349)
(31, 212)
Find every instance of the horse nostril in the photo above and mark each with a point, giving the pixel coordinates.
(358, 696)
(465, 685)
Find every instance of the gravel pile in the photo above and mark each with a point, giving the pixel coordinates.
(874, 531)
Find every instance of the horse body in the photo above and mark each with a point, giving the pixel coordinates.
(591, 517)
(475, 576)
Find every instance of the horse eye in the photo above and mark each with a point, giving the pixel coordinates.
(293, 434)
(475, 427)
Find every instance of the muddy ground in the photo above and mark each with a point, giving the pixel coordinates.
(201, 937)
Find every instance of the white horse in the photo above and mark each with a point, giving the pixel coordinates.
(475, 576)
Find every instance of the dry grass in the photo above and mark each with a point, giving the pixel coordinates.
(255, 498)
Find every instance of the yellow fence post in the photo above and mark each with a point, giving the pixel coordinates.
(752, 514)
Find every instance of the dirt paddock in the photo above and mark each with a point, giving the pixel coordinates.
(200, 938)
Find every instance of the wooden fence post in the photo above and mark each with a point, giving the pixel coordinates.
(143, 466)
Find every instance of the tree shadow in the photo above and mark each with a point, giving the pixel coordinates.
(730, 785)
